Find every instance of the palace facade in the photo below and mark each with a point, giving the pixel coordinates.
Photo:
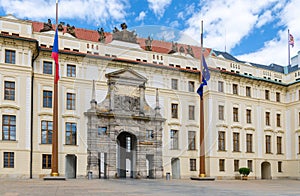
(128, 107)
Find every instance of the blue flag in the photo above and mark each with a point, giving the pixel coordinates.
(205, 77)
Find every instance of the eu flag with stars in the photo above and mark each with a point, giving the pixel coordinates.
(205, 77)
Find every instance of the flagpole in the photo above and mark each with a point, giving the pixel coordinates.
(288, 42)
(54, 165)
(201, 142)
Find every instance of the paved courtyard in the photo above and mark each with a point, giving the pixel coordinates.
(12, 187)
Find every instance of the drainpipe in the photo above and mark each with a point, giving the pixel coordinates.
(31, 120)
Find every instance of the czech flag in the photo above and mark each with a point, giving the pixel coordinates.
(55, 57)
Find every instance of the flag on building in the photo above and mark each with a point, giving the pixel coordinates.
(291, 40)
(55, 56)
(205, 77)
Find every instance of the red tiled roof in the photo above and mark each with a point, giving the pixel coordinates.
(93, 36)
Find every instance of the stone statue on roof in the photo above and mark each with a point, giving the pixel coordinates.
(148, 43)
(124, 26)
(189, 51)
(47, 26)
(124, 35)
(102, 35)
(115, 30)
(174, 47)
(181, 49)
(60, 26)
(71, 30)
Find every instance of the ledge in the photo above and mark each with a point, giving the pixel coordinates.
(15, 107)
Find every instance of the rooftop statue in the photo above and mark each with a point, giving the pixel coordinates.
(60, 26)
(71, 30)
(189, 51)
(174, 47)
(47, 26)
(181, 49)
(102, 35)
(148, 43)
(124, 35)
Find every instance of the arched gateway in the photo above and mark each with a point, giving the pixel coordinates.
(124, 132)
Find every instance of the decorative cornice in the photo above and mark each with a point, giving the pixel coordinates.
(222, 125)
(250, 128)
(9, 106)
(45, 114)
(70, 116)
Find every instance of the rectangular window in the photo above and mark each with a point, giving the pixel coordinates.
(149, 134)
(221, 141)
(102, 130)
(192, 164)
(221, 164)
(248, 116)
(10, 56)
(235, 115)
(277, 96)
(221, 86)
(46, 161)
(221, 112)
(250, 163)
(236, 165)
(71, 101)
(279, 145)
(47, 129)
(279, 166)
(174, 110)
(248, 91)
(174, 139)
(268, 118)
(71, 133)
(191, 112)
(267, 94)
(192, 140)
(249, 142)
(8, 159)
(235, 89)
(191, 85)
(47, 99)
(278, 119)
(9, 127)
(71, 70)
(47, 67)
(9, 90)
(236, 142)
(174, 83)
(268, 144)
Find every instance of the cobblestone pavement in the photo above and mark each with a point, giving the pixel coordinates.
(13, 187)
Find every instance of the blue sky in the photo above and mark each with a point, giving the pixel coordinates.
(251, 30)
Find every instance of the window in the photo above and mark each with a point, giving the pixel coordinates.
(10, 56)
(8, 159)
(46, 161)
(70, 101)
(235, 115)
(71, 133)
(250, 163)
(221, 141)
(102, 130)
(268, 118)
(192, 164)
(9, 90)
(47, 99)
(221, 112)
(221, 164)
(9, 127)
(248, 91)
(268, 144)
(71, 70)
(279, 145)
(221, 86)
(267, 94)
(277, 96)
(249, 142)
(236, 165)
(174, 139)
(278, 120)
(191, 85)
(174, 84)
(191, 112)
(47, 67)
(279, 166)
(47, 128)
(248, 116)
(149, 134)
(235, 89)
(236, 142)
(174, 110)
(192, 140)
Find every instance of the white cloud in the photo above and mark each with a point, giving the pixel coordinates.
(159, 6)
(174, 24)
(166, 34)
(264, 18)
(92, 11)
(141, 16)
